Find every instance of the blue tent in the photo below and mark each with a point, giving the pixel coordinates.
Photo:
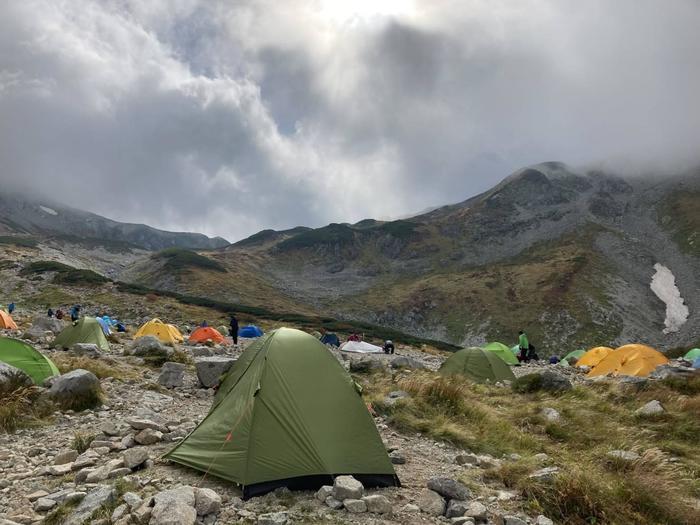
(696, 363)
(107, 319)
(104, 324)
(250, 331)
(330, 339)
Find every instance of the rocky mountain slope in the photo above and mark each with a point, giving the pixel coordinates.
(25, 215)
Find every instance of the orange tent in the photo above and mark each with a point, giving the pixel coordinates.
(629, 360)
(594, 356)
(6, 321)
(206, 333)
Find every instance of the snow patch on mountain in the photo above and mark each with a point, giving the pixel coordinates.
(50, 211)
(663, 284)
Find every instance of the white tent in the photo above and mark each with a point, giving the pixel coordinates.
(360, 347)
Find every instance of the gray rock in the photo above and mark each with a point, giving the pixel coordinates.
(37, 494)
(174, 507)
(476, 510)
(135, 457)
(210, 369)
(513, 520)
(47, 324)
(393, 397)
(355, 506)
(172, 375)
(89, 349)
(624, 455)
(377, 504)
(75, 497)
(274, 518)
(134, 501)
(410, 508)
(324, 493)
(142, 514)
(347, 487)
(551, 415)
(148, 346)
(462, 520)
(666, 371)
(119, 473)
(206, 502)
(82, 475)
(406, 362)
(366, 364)
(77, 383)
(109, 429)
(554, 382)
(140, 423)
(334, 503)
(60, 470)
(94, 500)
(44, 504)
(431, 503)
(120, 512)
(148, 436)
(546, 474)
(449, 488)
(543, 520)
(488, 462)
(201, 351)
(86, 459)
(99, 474)
(397, 458)
(652, 408)
(10, 373)
(456, 508)
(467, 459)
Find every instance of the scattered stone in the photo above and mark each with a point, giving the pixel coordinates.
(135, 457)
(488, 462)
(65, 456)
(174, 507)
(543, 520)
(93, 501)
(36, 495)
(431, 503)
(134, 501)
(148, 436)
(89, 349)
(334, 503)
(140, 423)
(476, 510)
(99, 474)
(10, 373)
(449, 488)
(467, 459)
(406, 362)
(397, 458)
(274, 518)
(456, 508)
(172, 375)
(206, 502)
(624, 455)
(513, 520)
(60, 470)
(324, 493)
(75, 497)
(109, 429)
(377, 504)
(86, 459)
(347, 487)
(410, 508)
(210, 369)
(551, 415)
(120, 512)
(118, 473)
(201, 351)
(148, 346)
(44, 504)
(652, 408)
(355, 506)
(546, 474)
(463, 520)
(366, 364)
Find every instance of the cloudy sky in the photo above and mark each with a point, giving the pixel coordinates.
(228, 117)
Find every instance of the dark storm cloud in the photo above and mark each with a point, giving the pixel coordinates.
(228, 117)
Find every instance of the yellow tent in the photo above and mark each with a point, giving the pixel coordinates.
(6, 321)
(594, 356)
(167, 333)
(629, 360)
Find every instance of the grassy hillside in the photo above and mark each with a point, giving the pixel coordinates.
(179, 260)
(680, 214)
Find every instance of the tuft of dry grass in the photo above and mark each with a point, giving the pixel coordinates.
(81, 441)
(102, 367)
(22, 404)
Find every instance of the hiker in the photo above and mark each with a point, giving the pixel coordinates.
(553, 359)
(121, 327)
(354, 337)
(59, 314)
(75, 313)
(233, 329)
(532, 353)
(49, 312)
(524, 346)
(388, 347)
(204, 324)
(10, 308)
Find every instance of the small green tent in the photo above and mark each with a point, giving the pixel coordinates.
(85, 330)
(287, 414)
(503, 352)
(576, 354)
(25, 357)
(478, 365)
(692, 355)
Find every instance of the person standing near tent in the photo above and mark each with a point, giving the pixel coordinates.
(75, 313)
(10, 308)
(233, 329)
(49, 312)
(388, 347)
(204, 324)
(524, 345)
(59, 314)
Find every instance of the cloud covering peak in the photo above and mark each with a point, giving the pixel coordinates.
(229, 117)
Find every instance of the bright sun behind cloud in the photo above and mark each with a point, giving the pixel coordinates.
(344, 12)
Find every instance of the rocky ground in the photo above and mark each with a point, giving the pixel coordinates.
(104, 465)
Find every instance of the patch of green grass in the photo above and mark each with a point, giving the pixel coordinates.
(178, 260)
(333, 234)
(24, 242)
(81, 441)
(65, 274)
(60, 514)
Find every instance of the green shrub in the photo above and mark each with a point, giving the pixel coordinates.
(81, 441)
(24, 242)
(527, 384)
(178, 260)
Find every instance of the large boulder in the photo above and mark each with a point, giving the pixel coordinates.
(347, 487)
(652, 408)
(78, 389)
(11, 377)
(172, 375)
(148, 346)
(43, 326)
(210, 369)
(88, 349)
(449, 488)
(406, 362)
(431, 503)
(366, 364)
(174, 507)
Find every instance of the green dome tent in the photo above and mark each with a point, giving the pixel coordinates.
(692, 355)
(25, 357)
(576, 354)
(503, 352)
(85, 330)
(287, 415)
(477, 364)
